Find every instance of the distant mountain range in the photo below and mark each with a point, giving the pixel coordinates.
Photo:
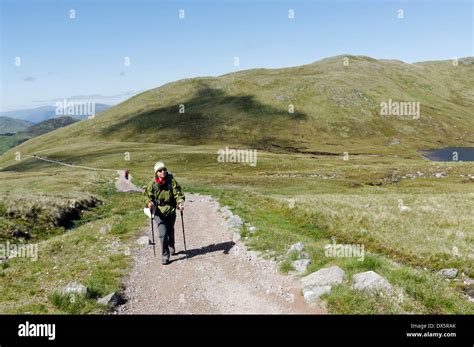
(11, 125)
(39, 114)
(12, 138)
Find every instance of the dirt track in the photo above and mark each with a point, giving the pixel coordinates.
(214, 276)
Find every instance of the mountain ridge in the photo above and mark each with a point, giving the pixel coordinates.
(336, 108)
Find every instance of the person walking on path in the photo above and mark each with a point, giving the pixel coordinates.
(163, 196)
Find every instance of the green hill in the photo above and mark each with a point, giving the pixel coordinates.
(11, 125)
(47, 126)
(11, 140)
(336, 107)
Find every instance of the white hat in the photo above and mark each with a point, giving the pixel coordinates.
(159, 165)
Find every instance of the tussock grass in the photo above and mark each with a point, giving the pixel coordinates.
(416, 290)
(437, 232)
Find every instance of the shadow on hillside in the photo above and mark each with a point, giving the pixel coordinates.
(208, 114)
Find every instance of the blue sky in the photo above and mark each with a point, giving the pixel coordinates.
(83, 58)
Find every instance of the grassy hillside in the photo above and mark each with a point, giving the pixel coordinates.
(7, 142)
(336, 108)
(295, 192)
(47, 126)
(11, 125)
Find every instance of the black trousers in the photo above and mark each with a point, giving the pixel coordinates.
(165, 227)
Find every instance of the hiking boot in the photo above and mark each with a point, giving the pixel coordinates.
(172, 251)
(165, 261)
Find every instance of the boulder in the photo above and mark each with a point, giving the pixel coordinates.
(226, 211)
(297, 247)
(301, 265)
(74, 288)
(371, 281)
(234, 222)
(110, 300)
(449, 273)
(326, 276)
(312, 295)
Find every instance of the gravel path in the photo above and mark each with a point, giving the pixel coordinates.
(123, 185)
(214, 276)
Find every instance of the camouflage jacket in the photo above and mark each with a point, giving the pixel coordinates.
(166, 196)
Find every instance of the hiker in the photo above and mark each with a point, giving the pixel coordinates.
(163, 196)
(126, 174)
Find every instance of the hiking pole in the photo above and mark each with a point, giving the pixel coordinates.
(184, 236)
(152, 242)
